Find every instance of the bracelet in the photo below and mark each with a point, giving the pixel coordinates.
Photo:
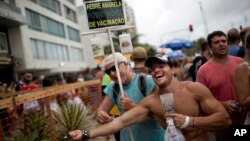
(185, 124)
(85, 134)
(193, 122)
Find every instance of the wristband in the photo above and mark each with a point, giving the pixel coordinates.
(185, 124)
(85, 134)
(193, 122)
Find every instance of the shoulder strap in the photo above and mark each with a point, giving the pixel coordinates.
(142, 83)
(116, 90)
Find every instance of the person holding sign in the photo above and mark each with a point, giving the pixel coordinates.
(196, 110)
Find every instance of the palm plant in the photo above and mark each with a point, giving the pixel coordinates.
(72, 116)
(35, 127)
(22, 136)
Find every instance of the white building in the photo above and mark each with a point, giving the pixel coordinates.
(43, 37)
(50, 37)
(130, 19)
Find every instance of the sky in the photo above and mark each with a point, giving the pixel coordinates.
(160, 21)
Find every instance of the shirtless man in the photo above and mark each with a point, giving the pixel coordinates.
(191, 99)
(242, 80)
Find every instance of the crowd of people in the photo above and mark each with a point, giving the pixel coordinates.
(206, 94)
(218, 93)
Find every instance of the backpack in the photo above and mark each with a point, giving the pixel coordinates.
(197, 63)
(141, 84)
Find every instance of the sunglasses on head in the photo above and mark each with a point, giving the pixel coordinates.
(108, 71)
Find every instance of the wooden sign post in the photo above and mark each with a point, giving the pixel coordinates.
(105, 17)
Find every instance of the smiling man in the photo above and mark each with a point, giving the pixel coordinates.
(191, 100)
(149, 130)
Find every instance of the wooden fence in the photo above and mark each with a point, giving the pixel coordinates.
(91, 95)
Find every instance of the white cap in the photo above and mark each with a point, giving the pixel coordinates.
(110, 60)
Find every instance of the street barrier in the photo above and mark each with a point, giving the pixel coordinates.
(19, 120)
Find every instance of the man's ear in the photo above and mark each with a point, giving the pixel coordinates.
(173, 70)
(126, 63)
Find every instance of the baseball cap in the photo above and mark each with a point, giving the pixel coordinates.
(159, 58)
(139, 53)
(108, 60)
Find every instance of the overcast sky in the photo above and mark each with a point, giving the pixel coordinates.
(157, 19)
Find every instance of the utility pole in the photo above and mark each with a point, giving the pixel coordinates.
(245, 19)
(204, 18)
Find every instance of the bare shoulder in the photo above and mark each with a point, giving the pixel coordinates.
(197, 89)
(243, 67)
(195, 86)
(148, 100)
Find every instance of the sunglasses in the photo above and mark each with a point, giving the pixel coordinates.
(108, 71)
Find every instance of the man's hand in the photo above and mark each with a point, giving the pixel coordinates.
(126, 103)
(230, 106)
(103, 117)
(178, 119)
(75, 135)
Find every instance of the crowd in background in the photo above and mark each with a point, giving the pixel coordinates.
(214, 70)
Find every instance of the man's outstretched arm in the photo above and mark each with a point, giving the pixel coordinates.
(135, 115)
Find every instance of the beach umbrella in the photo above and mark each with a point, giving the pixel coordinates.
(177, 54)
(177, 44)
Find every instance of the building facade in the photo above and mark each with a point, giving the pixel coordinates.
(43, 37)
(47, 38)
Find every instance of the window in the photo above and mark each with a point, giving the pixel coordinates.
(70, 14)
(73, 34)
(44, 24)
(11, 2)
(76, 54)
(48, 51)
(52, 5)
(33, 20)
(3, 43)
(35, 1)
(72, 1)
(54, 27)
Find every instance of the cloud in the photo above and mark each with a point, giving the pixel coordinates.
(155, 19)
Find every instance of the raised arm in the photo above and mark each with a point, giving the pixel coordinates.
(216, 117)
(135, 115)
